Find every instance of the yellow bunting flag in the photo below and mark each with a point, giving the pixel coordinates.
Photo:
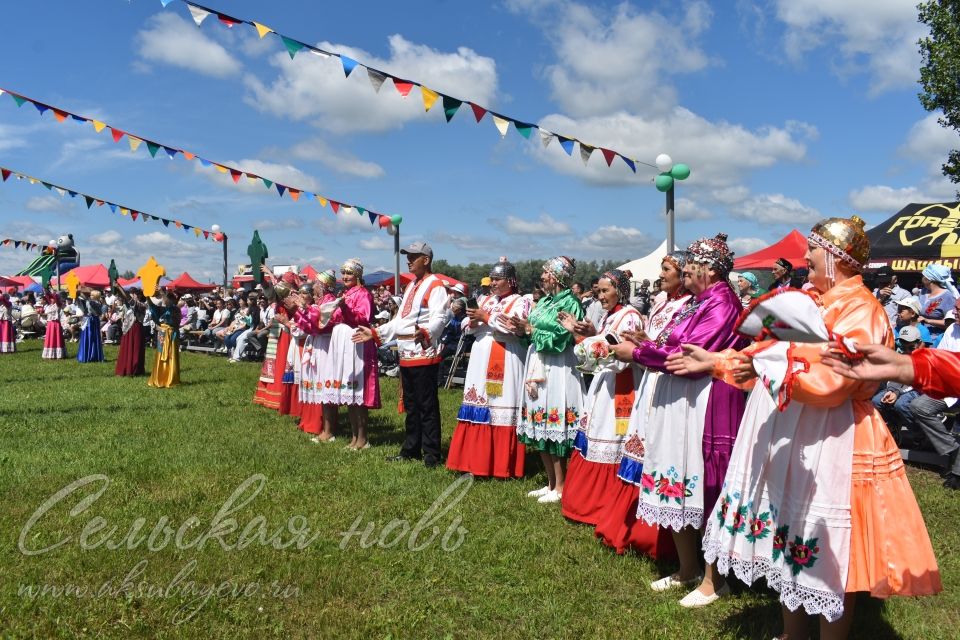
(150, 274)
(98, 126)
(429, 97)
(134, 142)
(321, 200)
(502, 125)
(197, 231)
(73, 283)
(221, 168)
(123, 211)
(263, 30)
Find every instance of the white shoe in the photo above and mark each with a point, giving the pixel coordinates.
(670, 582)
(549, 497)
(696, 599)
(536, 493)
(315, 440)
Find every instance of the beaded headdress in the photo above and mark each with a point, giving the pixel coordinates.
(563, 268)
(713, 251)
(621, 282)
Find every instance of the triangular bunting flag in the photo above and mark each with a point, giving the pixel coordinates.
(630, 163)
(373, 217)
(61, 191)
(280, 189)
(376, 78)
(450, 106)
(348, 65)
(165, 3)
(98, 126)
(335, 206)
(523, 128)
(89, 201)
(323, 201)
(220, 168)
(545, 137)
(133, 214)
(585, 151)
(206, 235)
(567, 144)
(153, 147)
(199, 15)
(293, 193)
(608, 155)
(187, 227)
(197, 231)
(235, 175)
(403, 86)
(429, 97)
(134, 142)
(360, 210)
(73, 194)
(171, 152)
(116, 133)
(267, 183)
(40, 107)
(478, 111)
(293, 47)
(262, 30)
(18, 99)
(188, 155)
(16, 244)
(178, 224)
(502, 125)
(124, 211)
(204, 161)
(47, 185)
(5, 173)
(60, 115)
(112, 206)
(78, 118)
(227, 20)
(165, 222)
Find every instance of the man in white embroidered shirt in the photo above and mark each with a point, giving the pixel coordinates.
(417, 328)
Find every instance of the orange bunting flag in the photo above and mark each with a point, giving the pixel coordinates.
(293, 193)
(188, 155)
(60, 115)
(178, 223)
(429, 97)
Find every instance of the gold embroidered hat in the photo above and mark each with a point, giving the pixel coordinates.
(352, 266)
(845, 238)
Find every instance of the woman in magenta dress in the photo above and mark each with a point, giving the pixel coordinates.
(8, 337)
(349, 373)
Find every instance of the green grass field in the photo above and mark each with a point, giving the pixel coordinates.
(493, 564)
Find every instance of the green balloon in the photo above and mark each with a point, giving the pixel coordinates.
(680, 172)
(664, 182)
(396, 220)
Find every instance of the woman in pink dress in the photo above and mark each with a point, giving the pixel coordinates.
(53, 345)
(349, 373)
(8, 337)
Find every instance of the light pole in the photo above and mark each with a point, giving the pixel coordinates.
(222, 237)
(394, 230)
(670, 173)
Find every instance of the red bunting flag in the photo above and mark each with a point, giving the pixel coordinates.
(478, 111)
(235, 175)
(403, 86)
(608, 155)
(117, 134)
(335, 206)
(6, 174)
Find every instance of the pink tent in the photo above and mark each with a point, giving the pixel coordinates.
(184, 282)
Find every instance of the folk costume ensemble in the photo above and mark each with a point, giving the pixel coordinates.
(53, 345)
(598, 443)
(816, 498)
(617, 523)
(349, 374)
(549, 421)
(316, 346)
(8, 337)
(485, 440)
(694, 419)
(132, 355)
(423, 312)
(90, 348)
(269, 392)
(166, 361)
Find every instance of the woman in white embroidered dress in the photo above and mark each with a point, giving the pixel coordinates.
(485, 440)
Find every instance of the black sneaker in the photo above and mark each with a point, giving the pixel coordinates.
(430, 463)
(952, 482)
(400, 458)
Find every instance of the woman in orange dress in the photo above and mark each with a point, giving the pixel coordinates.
(816, 499)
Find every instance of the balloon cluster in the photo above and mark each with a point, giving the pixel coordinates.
(669, 172)
(390, 223)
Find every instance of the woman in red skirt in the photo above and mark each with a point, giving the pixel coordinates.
(131, 357)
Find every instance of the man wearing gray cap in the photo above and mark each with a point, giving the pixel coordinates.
(417, 328)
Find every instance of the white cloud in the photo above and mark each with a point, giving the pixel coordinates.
(338, 160)
(878, 37)
(929, 142)
(884, 199)
(687, 209)
(48, 204)
(11, 137)
(730, 195)
(775, 208)
(346, 221)
(720, 154)
(744, 246)
(614, 242)
(106, 238)
(285, 174)
(621, 58)
(467, 242)
(278, 223)
(313, 88)
(376, 243)
(545, 225)
(172, 40)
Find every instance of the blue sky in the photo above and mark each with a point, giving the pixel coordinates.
(786, 111)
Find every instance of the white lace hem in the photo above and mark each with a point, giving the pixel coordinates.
(815, 602)
(669, 517)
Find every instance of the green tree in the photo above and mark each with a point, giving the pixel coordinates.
(940, 71)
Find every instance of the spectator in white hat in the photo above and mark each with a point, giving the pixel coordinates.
(908, 315)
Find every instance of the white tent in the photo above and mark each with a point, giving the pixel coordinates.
(647, 267)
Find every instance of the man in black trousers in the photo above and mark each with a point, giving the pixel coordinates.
(417, 328)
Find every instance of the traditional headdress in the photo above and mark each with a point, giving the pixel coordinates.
(563, 268)
(327, 278)
(713, 251)
(678, 259)
(843, 239)
(291, 279)
(621, 282)
(749, 277)
(307, 288)
(785, 264)
(505, 270)
(352, 266)
(941, 275)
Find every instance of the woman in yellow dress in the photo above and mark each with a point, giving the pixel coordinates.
(166, 362)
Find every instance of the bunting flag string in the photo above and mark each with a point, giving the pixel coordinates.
(123, 210)
(403, 86)
(153, 148)
(20, 244)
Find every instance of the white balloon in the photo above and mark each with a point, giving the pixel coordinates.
(215, 228)
(664, 162)
(392, 230)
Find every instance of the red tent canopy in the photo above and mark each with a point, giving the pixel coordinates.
(20, 282)
(309, 271)
(407, 278)
(185, 283)
(793, 247)
(91, 275)
(126, 282)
